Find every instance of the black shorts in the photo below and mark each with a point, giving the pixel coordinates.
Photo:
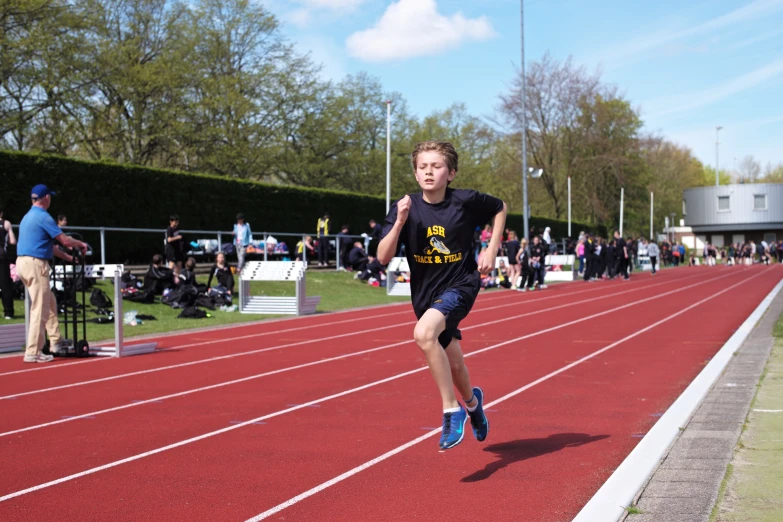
(174, 254)
(453, 305)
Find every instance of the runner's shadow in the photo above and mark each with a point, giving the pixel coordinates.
(523, 449)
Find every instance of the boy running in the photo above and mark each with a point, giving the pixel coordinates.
(437, 227)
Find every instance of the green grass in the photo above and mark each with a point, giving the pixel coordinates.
(338, 291)
(778, 330)
(633, 510)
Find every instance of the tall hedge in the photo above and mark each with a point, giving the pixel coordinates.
(105, 194)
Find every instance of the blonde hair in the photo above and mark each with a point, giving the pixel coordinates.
(523, 242)
(444, 148)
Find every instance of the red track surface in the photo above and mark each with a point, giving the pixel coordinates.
(550, 447)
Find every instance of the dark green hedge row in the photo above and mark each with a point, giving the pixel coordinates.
(110, 195)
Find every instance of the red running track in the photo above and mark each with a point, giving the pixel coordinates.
(550, 448)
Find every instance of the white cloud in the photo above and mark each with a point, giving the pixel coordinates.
(411, 28)
(694, 100)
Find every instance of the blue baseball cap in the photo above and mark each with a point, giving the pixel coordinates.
(40, 191)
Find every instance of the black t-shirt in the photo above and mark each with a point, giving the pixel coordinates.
(438, 242)
(512, 248)
(539, 252)
(223, 276)
(175, 246)
(356, 256)
(619, 245)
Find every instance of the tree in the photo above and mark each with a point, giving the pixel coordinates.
(749, 170)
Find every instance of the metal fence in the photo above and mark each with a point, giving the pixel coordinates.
(337, 239)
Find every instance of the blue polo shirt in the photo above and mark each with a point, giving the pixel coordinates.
(36, 234)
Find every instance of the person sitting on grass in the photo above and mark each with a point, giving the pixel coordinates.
(188, 274)
(357, 259)
(221, 271)
(158, 277)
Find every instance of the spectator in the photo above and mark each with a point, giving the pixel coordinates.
(188, 275)
(62, 220)
(486, 235)
(375, 236)
(537, 260)
(609, 259)
(301, 245)
(523, 257)
(323, 241)
(653, 252)
(580, 252)
(357, 259)
(175, 246)
(158, 278)
(37, 235)
(7, 238)
(344, 246)
(221, 271)
(512, 249)
(547, 238)
(243, 237)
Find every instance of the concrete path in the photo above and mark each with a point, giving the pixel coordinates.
(685, 486)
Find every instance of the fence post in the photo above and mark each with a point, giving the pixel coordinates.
(220, 241)
(266, 249)
(304, 251)
(338, 247)
(103, 246)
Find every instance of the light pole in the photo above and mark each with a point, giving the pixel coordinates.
(671, 225)
(717, 163)
(388, 155)
(524, 123)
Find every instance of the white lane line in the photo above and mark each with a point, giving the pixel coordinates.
(340, 394)
(290, 368)
(290, 345)
(348, 474)
(501, 296)
(769, 411)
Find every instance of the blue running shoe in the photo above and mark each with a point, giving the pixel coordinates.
(478, 419)
(453, 428)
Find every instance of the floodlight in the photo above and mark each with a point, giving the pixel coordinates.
(535, 173)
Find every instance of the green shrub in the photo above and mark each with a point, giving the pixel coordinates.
(100, 194)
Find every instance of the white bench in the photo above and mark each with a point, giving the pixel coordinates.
(393, 287)
(293, 271)
(12, 337)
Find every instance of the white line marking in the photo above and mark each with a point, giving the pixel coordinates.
(296, 367)
(348, 474)
(373, 384)
(621, 487)
(501, 295)
(300, 343)
(769, 411)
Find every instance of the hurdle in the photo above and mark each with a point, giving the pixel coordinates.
(560, 275)
(119, 349)
(394, 287)
(293, 271)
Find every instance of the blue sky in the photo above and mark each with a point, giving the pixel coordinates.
(687, 66)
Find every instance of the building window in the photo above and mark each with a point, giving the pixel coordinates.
(770, 237)
(760, 202)
(723, 204)
(684, 208)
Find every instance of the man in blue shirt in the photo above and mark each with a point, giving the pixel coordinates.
(37, 235)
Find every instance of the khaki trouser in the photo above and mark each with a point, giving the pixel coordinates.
(34, 273)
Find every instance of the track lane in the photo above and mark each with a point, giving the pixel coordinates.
(227, 347)
(99, 396)
(396, 385)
